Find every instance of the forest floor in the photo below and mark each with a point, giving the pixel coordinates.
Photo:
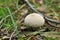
(13, 12)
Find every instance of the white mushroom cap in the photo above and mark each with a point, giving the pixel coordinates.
(34, 20)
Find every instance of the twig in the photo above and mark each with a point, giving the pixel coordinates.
(53, 21)
(35, 33)
(52, 24)
(12, 35)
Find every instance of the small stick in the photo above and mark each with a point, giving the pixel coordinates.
(12, 35)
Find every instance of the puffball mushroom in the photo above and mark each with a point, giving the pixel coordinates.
(34, 20)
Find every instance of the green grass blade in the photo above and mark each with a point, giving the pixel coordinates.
(11, 15)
